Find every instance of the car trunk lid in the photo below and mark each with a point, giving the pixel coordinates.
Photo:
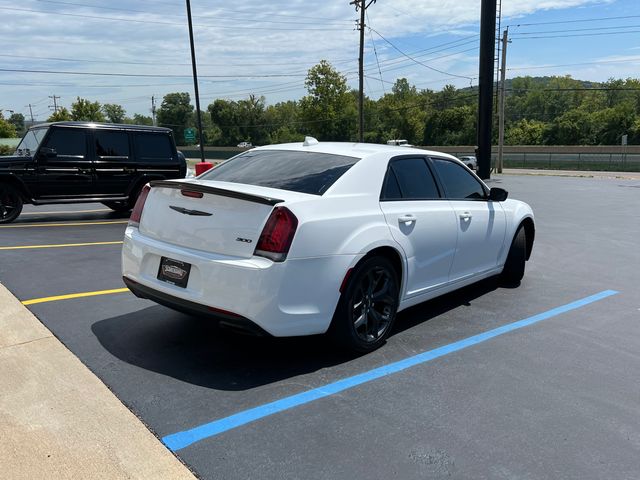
(216, 217)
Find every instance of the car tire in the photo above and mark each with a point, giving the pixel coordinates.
(10, 203)
(367, 307)
(514, 266)
(119, 206)
(123, 206)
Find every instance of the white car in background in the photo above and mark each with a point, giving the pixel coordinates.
(308, 238)
(470, 161)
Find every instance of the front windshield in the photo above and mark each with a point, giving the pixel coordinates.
(29, 143)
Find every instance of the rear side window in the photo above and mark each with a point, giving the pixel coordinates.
(458, 182)
(304, 172)
(69, 142)
(155, 147)
(112, 144)
(409, 179)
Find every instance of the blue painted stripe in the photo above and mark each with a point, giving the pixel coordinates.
(177, 441)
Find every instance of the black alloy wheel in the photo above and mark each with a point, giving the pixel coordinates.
(10, 203)
(367, 307)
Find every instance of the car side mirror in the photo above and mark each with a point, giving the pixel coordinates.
(46, 153)
(497, 194)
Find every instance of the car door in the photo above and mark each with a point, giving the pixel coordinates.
(64, 168)
(156, 156)
(114, 165)
(421, 221)
(481, 223)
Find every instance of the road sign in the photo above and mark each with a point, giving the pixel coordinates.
(624, 139)
(189, 134)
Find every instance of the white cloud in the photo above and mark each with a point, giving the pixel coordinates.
(232, 38)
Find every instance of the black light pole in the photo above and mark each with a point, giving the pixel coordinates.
(195, 82)
(485, 86)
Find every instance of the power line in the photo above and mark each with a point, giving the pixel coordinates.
(576, 35)
(600, 19)
(297, 22)
(578, 30)
(375, 51)
(626, 60)
(146, 75)
(156, 22)
(419, 62)
(117, 62)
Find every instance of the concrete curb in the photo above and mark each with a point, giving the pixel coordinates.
(573, 173)
(58, 420)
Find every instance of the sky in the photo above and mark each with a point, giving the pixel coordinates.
(126, 52)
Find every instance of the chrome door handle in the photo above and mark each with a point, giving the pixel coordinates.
(465, 216)
(407, 219)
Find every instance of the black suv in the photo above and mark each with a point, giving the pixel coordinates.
(77, 162)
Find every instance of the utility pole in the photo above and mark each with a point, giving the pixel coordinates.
(362, 6)
(55, 103)
(195, 81)
(501, 98)
(153, 109)
(485, 85)
(31, 113)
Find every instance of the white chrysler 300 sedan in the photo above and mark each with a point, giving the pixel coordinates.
(308, 238)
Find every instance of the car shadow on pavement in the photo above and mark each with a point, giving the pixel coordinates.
(197, 351)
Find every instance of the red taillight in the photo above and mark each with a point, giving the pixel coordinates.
(134, 219)
(277, 235)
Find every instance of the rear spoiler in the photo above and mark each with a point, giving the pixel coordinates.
(194, 187)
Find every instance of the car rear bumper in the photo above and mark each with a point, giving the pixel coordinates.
(295, 297)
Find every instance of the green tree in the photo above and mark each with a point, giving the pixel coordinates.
(84, 110)
(402, 113)
(7, 130)
(225, 115)
(329, 110)
(17, 120)
(139, 119)
(62, 115)
(451, 126)
(115, 113)
(176, 113)
(525, 132)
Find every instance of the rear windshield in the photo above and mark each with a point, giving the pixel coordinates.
(304, 172)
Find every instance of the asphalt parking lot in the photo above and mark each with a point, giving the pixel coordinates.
(557, 396)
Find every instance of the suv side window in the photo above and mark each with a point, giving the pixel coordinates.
(153, 147)
(409, 179)
(457, 181)
(112, 144)
(68, 142)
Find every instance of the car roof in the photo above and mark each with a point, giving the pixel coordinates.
(108, 126)
(356, 150)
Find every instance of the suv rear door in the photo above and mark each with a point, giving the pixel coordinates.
(156, 155)
(64, 168)
(115, 166)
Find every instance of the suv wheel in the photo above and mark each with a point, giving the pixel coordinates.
(119, 206)
(10, 203)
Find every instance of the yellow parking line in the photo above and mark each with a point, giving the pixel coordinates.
(67, 211)
(73, 295)
(73, 224)
(60, 245)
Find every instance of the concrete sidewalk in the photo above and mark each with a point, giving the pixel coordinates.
(58, 420)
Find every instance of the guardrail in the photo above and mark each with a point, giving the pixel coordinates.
(597, 157)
